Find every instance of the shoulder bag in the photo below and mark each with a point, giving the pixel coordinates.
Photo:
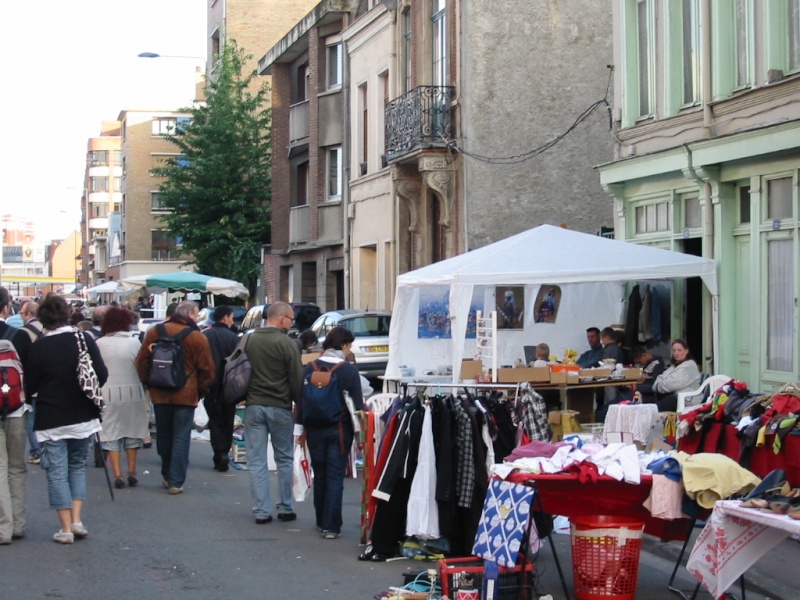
(87, 377)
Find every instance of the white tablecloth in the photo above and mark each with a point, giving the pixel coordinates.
(733, 539)
(630, 418)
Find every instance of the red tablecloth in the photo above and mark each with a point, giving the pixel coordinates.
(566, 495)
(721, 438)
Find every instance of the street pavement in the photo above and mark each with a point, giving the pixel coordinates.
(204, 544)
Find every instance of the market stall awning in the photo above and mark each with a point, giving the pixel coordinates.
(185, 281)
(109, 287)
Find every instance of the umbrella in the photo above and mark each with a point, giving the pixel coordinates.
(185, 281)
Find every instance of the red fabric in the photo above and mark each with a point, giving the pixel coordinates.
(722, 439)
(566, 495)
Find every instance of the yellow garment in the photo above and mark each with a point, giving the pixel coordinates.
(761, 438)
(708, 477)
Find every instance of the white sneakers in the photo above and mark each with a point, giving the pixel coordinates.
(79, 531)
(68, 537)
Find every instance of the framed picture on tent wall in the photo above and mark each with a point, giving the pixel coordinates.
(546, 305)
(434, 312)
(510, 300)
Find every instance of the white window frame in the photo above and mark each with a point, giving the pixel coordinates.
(334, 83)
(331, 155)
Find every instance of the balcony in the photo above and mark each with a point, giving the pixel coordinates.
(330, 222)
(298, 224)
(298, 123)
(421, 118)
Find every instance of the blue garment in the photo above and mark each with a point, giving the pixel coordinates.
(65, 463)
(504, 521)
(173, 437)
(591, 357)
(15, 321)
(666, 466)
(261, 422)
(329, 466)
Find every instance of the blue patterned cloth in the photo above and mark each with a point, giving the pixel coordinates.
(504, 521)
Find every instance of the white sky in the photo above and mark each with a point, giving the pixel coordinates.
(68, 67)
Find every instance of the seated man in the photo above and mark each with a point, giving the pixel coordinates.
(594, 354)
(652, 367)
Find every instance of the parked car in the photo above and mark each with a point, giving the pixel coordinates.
(205, 317)
(371, 330)
(305, 313)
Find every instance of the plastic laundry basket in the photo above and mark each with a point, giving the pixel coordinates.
(605, 557)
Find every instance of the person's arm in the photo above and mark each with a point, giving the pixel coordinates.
(353, 388)
(294, 371)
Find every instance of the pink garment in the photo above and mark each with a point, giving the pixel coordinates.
(535, 449)
(665, 498)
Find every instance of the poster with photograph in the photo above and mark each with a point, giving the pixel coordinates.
(434, 312)
(510, 306)
(546, 305)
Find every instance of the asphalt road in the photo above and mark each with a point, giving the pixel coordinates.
(204, 544)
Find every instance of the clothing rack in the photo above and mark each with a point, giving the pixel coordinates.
(467, 386)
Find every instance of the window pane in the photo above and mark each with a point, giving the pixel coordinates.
(641, 225)
(335, 172)
(794, 34)
(693, 216)
(744, 204)
(662, 211)
(335, 66)
(690, 59)
(644, 58)
(780, 303)
(439, 45)
(779, 198)
(651, 217)
(407, 48)
(742, 63)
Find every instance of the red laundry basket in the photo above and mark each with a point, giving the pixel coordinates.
(605, 557)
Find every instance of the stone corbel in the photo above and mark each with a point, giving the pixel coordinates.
(440, 177)
(408, 186)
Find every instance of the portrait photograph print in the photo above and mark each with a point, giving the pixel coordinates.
(546, 305)
(510, 306)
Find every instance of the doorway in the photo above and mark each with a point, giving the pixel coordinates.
(693, 306)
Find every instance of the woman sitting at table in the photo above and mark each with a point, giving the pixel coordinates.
(682, 376)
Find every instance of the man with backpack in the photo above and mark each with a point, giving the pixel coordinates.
(275, 383)
(175, 362)
(14, 346)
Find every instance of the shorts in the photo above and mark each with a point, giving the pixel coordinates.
(127, 443)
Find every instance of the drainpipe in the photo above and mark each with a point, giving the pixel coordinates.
(705, 67)
(346, 159)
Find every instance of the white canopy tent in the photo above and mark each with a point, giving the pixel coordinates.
(590, 270)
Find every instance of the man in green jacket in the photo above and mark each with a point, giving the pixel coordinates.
(276, 381)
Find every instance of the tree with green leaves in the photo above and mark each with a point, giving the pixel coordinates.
(218, 188)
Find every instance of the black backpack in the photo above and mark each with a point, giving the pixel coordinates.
(167, 367)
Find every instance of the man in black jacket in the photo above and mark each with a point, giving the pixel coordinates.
(223, 341)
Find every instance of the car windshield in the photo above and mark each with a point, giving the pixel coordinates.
(367, 325)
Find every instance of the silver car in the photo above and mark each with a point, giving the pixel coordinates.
(371, 330)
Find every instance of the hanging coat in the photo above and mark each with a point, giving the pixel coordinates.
(632, 318)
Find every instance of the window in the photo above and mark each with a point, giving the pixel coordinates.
(644, 57)
(780, 304)
(215, 46)
(117, 184)
(779, 198)
(794, 34)
(363, 125)
(301, 185)
(651, 218)
(383, 87)
(335, 173)
(407, 49)
(163, 247)
(439, 25)
(156, 205)
(334, 66)
(164, 126)
(124, 166)
(97, 157)
(98, 184)
(742, 27)
(691, 51)
(692, 216)
(98, 210)
(117, 157)
(744, 204)
(301, 84)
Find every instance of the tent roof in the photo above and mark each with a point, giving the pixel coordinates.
(549, 254)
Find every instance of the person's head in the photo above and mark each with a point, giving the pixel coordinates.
(308, 339)
(223, 314)
(5, 300)
(280, 314)
(189, 309)
(84, 325)
(116, 319)
(28, 311)
(680, 351)
(640, 356)
(98, 312)
(619, 337)
(76, 317)
(171, 309)
(338, 338)
(542, 351)
(53, 312)
(607, 336)
(593, 336)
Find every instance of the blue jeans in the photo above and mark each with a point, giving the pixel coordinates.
(33, 441)
(261, 422)
(65, 463)
(329, 468)
(173, 436)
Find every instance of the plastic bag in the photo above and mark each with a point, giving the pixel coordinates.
(301, 481)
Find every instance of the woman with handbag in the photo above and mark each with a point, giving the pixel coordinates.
(125, 414)
(66, 417)
(329, 443)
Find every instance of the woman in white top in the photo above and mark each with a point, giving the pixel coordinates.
(125, 415)
(682, 376)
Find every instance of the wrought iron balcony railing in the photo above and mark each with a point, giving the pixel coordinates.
(421, 118)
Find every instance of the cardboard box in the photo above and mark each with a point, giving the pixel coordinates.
(632, 374)
(523, 374)
(572, 377)
(470, 369)
(310, 357)
(558, 377)
(595, 373)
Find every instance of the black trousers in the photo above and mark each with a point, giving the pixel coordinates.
(220, 425)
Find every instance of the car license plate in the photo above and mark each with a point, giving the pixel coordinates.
(377, 348)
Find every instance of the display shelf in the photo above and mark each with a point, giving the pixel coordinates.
(486, 341)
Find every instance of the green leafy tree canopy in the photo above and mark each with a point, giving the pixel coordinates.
(218, 188)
